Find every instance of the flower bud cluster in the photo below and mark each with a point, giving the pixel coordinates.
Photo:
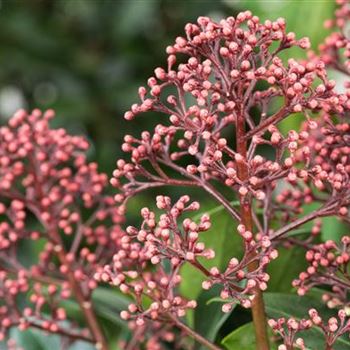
(335, 50)
(163, 238)
(40, 297)
(226, 61)
(148, 264)
(238, 51)
(238, 282)
(320, 171)
(139, 267)
(328, 266)
(49, 193)
(289, 329)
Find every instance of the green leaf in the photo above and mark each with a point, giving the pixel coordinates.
(79, 345)
(108, 304)
(290, 305)
(111, 297)
(33, 339)
(209, 326)
(241, 338)
(216, 300)
(283, 272)
(191, 282)
(333, 228)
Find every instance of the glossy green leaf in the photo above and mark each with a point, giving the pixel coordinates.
(216, 300)
(108, 304)
(110, 296)
(333, 228)
(241, 338)
(79, 345)
(285, 269)
(33, 339)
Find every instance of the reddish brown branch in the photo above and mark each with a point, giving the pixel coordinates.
(258, 308)
(281, 114)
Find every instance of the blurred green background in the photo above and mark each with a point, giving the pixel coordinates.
(86, 58)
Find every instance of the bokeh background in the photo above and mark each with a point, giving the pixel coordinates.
(86, 58)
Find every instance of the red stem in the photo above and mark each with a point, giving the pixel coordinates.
(258, 308)
(281, 114)
(301, 221)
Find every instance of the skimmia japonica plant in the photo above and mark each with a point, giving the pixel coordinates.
(222, 101)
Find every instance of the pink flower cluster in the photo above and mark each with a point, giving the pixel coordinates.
(139, 267)
(319, 175)
(167, 239)
(239, 283)
(230, 83)
(328, 266)
(225, 65)
(49, 193)
(335, 51)
(289, 329)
